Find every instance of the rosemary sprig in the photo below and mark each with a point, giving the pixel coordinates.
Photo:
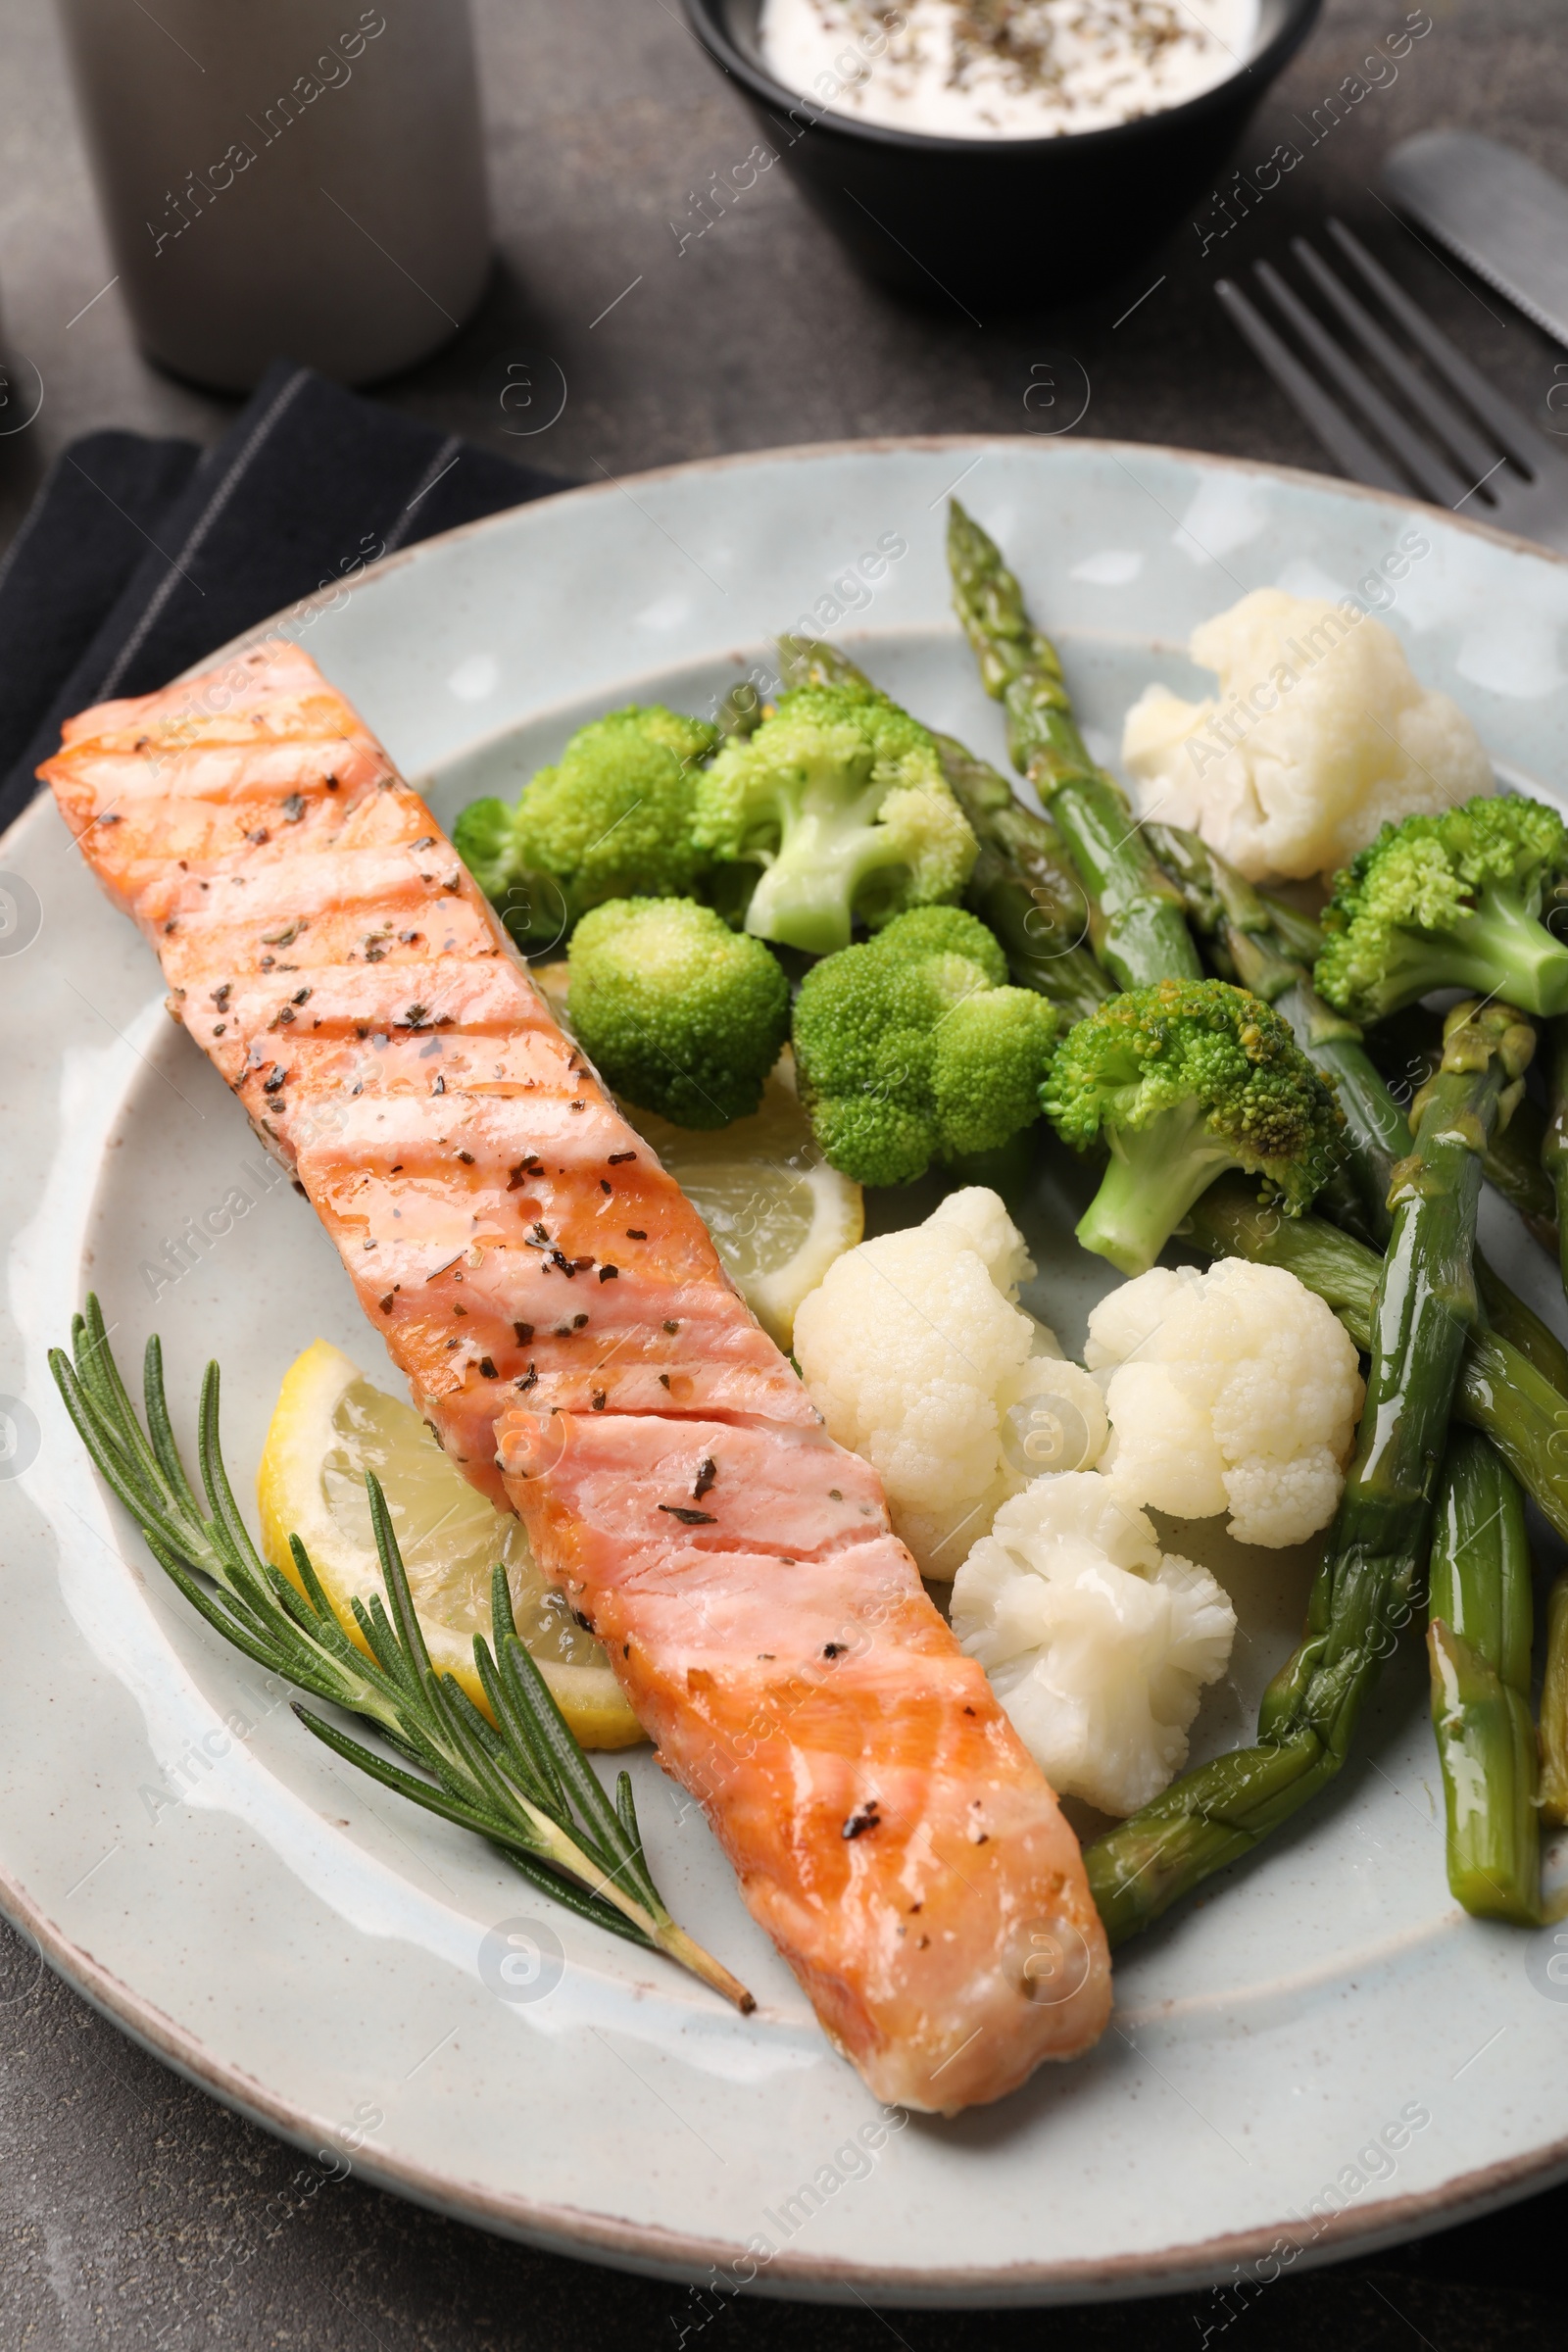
(521, 1780)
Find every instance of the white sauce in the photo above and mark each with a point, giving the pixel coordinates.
(1004, 68)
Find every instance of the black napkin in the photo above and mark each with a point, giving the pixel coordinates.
(139, 558)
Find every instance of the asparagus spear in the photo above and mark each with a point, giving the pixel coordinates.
(1478, 1645)
(1555, 1709)
(1522, 1327)
(1407, 1048)
(1023, 884)
(1554, 1141)
(814, 661)
(1271, 948)
(1426, 1307)
(1144, 936)
(1263, 942)
(1514, 1168)
(740, 714)
(1025, 888)
(1249, 932)
(1500, 1392)
(1219, 899)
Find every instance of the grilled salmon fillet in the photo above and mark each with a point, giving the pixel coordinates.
(567, 1330)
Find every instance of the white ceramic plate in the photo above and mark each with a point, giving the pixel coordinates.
(1321, 2034)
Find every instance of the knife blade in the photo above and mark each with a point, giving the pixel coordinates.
(1505, 217)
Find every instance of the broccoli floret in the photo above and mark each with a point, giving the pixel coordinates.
(613, 816)
(1182, 1080)
(1448, 902)
(681, 1015)
(839, 797)
(913, 1048)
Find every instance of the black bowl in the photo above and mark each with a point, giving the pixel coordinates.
(1028, 221)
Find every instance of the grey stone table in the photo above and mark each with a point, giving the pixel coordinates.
(134, 2212)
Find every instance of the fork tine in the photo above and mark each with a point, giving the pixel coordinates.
(1433, 473)
(1513, 430)
(1344, 441)
(1440, 414)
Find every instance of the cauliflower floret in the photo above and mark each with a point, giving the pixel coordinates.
(1321, 733)
(1236, 1389)
(918, 1358)
(1097, 1646)
(981, 1218)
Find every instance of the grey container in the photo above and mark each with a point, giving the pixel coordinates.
(297, 179)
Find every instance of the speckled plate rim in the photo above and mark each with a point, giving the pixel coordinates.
(875, 445)
(676, 2255)
(667, 2254)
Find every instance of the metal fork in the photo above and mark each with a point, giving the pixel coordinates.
(1484, 460)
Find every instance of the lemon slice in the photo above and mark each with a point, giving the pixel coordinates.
(779, 1215)
(329, 1427)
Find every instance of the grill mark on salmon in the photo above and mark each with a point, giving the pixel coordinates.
(323, 945)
